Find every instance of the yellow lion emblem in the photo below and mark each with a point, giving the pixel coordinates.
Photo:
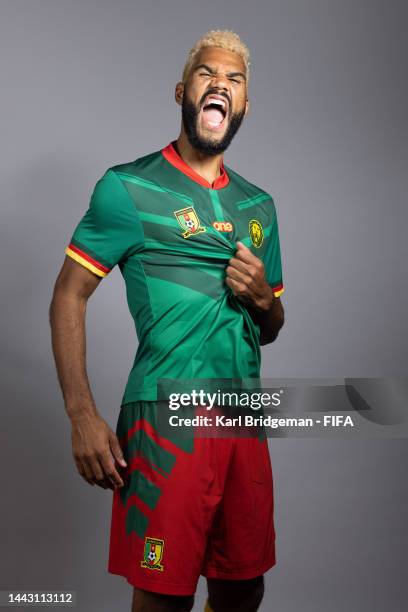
(256, 232)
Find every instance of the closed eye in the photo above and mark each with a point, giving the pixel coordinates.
(231, 79)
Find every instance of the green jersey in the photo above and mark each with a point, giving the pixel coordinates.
(172, 234)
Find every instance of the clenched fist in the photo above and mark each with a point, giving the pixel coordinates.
(245, 275)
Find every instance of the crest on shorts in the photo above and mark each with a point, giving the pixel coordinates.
(153, 554)
(256, 232)
(189, 221)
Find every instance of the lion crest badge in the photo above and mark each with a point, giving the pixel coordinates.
(256, 232)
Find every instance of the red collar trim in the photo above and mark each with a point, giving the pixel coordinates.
(170, 153)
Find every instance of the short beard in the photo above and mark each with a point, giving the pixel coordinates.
(189, 116)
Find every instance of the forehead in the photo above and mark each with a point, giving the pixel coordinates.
(217, 57)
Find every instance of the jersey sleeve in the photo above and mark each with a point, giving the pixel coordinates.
(272, 257)
(110, 229)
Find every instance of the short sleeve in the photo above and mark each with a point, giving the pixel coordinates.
(110, 230)
(272, 258)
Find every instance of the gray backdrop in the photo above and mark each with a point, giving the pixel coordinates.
(90, 83)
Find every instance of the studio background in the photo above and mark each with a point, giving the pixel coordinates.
(89, 84)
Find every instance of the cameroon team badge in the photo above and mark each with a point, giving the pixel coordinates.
(189, 221)
(153, 554)
(256, 232)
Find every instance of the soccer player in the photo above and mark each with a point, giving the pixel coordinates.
(198, 247)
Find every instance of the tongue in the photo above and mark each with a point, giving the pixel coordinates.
(213, 114)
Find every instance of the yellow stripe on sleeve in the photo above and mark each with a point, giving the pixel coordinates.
(85, 263)
(278, 293)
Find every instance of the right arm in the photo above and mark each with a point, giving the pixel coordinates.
(109, 232)
(95, 446)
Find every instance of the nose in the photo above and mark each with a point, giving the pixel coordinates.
(219, 80)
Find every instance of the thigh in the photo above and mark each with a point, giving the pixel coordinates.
(145, 601)
(235, 595)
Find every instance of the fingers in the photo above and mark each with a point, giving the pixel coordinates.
(116, 449)
(95, 449)
(84, 471)
(99, 475)
(235, 266)
(109, 469)
(238, 289)
(246, 263)
(245, 275)
(245, 254)
(100, 470)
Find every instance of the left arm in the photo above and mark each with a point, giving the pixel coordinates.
(246, 278)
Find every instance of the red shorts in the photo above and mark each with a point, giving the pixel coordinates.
(194, 507)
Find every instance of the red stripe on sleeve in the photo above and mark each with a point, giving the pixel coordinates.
(88, 258)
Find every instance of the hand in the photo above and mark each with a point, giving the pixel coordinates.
(246, 278)
(95, 448)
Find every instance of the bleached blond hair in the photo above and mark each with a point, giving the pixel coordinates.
(226, 39)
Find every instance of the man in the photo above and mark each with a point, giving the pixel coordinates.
(198, 247)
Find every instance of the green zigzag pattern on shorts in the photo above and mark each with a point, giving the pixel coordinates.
(159, 459)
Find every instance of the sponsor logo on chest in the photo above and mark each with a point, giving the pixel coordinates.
(223, 226)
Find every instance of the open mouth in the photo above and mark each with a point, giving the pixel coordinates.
(214, 111)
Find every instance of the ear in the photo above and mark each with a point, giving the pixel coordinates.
(178, 94)
(246, 106)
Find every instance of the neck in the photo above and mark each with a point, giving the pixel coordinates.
(207, 166)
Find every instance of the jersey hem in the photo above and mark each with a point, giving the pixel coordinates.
(145, 395)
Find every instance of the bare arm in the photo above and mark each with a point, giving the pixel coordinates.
(270, 319)
(95, 446)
